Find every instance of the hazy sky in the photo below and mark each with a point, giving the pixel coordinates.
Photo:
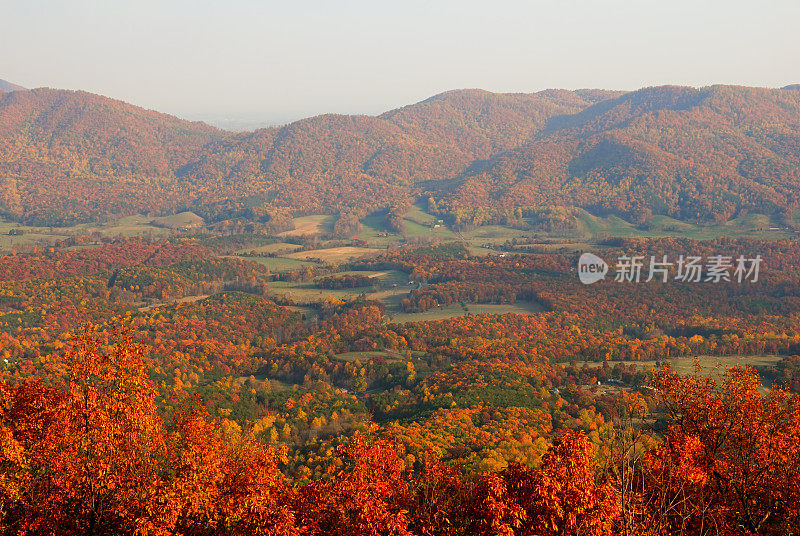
(277, 61)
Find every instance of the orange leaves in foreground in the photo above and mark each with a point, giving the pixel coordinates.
(363, 499)
(561, 497)
(218, 487)
(732, 454)
(91, 455)
(89, 451)
(95, 458)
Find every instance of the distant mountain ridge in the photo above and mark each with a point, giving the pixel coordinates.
(685, 152)
(699, 154)
(8, 86)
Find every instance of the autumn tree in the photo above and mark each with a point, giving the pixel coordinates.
(90, 453)
(94, 457)
(735, 449)
(559, 498)
(368, 496)
(215, 487)
(439, 499)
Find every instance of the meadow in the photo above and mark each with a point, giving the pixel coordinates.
(714, 366)
(310, 245)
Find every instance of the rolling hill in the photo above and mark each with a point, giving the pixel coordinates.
(694, 154)
(688, 153)
(72, 155)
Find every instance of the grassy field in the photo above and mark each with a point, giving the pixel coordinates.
(491, 234)
(336, 255)
(183, 219)
(278, 248)
(311, 226)
(375, 232)
(478, 251)
(595, 226)
(304, 293)
(440, 313)
(385, 277)
(421, 225)
(280, 264)
(712, 365)
(31, 236)
(417, 214)
(717, 365)
(363, 357)
(129, 226)
(384, 288)
(749, 225)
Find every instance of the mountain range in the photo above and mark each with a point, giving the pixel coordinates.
(695, 154)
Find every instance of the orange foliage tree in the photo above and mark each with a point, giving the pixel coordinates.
(561, 497)
(365, 498)
(92, 456)
(732, 455)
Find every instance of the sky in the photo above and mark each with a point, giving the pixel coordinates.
(263, 62)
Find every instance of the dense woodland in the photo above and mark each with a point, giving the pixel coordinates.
(133, 403)
(708, 154)
(309, 352)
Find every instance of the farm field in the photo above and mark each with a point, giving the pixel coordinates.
(375, 232)
(450, 311)
(305, 293)
(277, 248)
(335, 255)
(715, 366)
(491, 234)
(180, 220)
(421, 227)
(389, 287)
(310, 226)
(749, 225)
(280, 264)
(128, 226)
(366, 355)
(710, 365)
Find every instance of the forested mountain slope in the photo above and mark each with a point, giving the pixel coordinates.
(687, 153)
(696, 154)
